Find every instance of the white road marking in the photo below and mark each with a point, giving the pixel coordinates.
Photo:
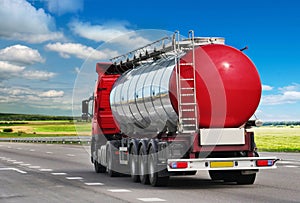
(46, 170)
(49, 152)
(25, 164)
(18, 162)
(32, 150)
(291, 166)
(13, 169)
(9, 147)
(94, 184)
(119, 190)
(74, 178)
(70, 155)
(34, 167)
(19, 148)
(11, 160)
(1, 145)
(59, 174)
(154, 199)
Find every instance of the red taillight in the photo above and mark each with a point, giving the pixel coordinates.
(178, 164)
(264, 162)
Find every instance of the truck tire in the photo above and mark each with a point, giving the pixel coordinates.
(233, 176)
(184, 173)
(99, 168)
(110, 162)
(190, 173)
(144, 177)
(154, 178)
(133, 164)
(216, 175)
(246, 179)
(239, 178)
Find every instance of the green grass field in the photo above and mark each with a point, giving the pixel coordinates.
(45, 128)
(280, 139)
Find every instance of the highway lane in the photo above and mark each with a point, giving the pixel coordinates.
(63, 173)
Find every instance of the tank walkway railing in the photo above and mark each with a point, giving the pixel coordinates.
(165, 45)
(146, 52)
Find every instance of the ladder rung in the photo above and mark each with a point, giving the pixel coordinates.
(188, 131)
(186, 95)
(187, 88)
(186, 64)
(188, 119)
(189, 125)
(187, 104)
(187, 110)
(186, 79)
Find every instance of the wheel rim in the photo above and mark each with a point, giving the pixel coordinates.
(109, 161)
(151, 169)
(142, 168)
(132, 165)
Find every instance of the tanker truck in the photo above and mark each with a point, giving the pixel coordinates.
(174, 107)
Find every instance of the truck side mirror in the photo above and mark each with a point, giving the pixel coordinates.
(85, 110)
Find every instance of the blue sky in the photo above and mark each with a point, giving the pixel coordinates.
(45, 43)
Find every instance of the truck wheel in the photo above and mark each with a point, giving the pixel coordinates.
(99, 168)
(190, 173)
(154, 178)
(133, 164)
(216, 175)
(230, 176)
(246, 179)
(144, 178)
(233, 176)
(110, 170)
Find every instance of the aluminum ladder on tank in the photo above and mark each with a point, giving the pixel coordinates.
(186, 88)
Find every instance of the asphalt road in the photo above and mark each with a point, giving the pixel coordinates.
(63, 173)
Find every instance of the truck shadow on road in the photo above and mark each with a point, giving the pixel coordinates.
(193, 182)
(175, 182)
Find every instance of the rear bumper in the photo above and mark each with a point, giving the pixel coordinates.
(244, 163)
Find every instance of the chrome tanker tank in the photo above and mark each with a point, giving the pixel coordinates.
(144, 100)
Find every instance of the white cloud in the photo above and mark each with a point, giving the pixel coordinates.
(288, 97)
(98, 33)
(8, 71)
(267, 88)
(21, 55)
(106, 32)
(52, 94)
(6, 67)
(38, 75)
(43, 101)
(77, 70)
(16, 91)
(21, 21)
(65, 6)
(80, 51)
(293, 87)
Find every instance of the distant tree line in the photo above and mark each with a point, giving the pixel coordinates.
(281, 123)
(28, 117)
(32, 117)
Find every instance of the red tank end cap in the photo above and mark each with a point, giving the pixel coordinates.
(227, 84)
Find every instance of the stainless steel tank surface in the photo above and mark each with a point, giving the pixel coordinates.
(140, 99)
